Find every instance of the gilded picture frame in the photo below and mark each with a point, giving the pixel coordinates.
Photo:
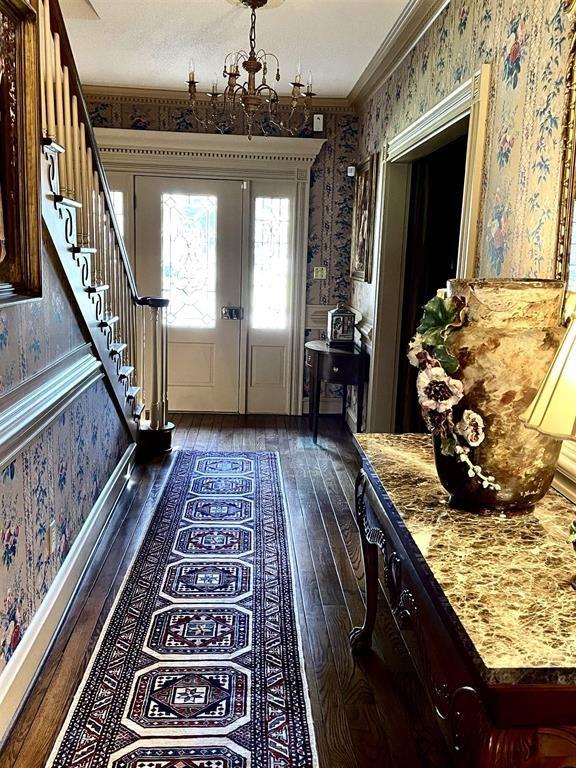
(20, 223)
(363, 219)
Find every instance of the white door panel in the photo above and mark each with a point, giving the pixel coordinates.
(189, 242)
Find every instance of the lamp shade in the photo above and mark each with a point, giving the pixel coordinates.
(553, 411)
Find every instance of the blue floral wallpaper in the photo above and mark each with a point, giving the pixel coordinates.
(58, 476)
(527, 45)
(26, 346)
(62, 472)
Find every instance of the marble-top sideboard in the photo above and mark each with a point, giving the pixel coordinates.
(484, 603)
(506, 577)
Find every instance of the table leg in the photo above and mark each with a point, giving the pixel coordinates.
(361, 637)
(317, 387)
(311, 390)
(360, 403)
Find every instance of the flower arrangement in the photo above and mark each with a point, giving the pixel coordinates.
(440, 392)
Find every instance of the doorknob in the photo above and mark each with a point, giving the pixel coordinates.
(232, 313)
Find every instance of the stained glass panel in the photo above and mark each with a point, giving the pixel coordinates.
(189, 259)
(271, 263)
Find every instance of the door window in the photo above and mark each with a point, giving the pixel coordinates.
(189, 230)
(271, 263)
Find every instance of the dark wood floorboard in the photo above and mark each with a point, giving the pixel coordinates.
(369, 713)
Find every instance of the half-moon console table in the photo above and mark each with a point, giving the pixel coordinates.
(484, 604)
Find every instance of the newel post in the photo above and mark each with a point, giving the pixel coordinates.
(155, 437)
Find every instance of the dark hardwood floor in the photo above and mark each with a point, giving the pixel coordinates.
(368, 712)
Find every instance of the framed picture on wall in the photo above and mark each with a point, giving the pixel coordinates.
(363, 219)
(20, 248)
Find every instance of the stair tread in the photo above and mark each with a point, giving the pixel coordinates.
(125, 371)
(109, 321)
(81, 249)
(117, 347)
(97, 288)
(132, 393)
(139, 410)
(67, 201)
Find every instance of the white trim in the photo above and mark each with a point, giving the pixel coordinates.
(429, 132)
(204, 155)
(27, 410)
(414, 21)
(22, 669)
(450, 110)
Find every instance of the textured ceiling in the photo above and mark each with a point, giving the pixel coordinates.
(148, 43)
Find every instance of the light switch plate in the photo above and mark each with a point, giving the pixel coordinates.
(318, 123)
(320, 273)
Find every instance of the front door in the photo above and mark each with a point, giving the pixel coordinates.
(189, 249)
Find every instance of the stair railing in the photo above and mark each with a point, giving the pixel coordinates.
(124, 314)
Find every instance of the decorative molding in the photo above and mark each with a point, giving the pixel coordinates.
(417, 17)
(20, 673)
(168, 97)
(450, 110)
(30, 408)
(565, 480)
(365, 328)
(200, 153)
(317, 317)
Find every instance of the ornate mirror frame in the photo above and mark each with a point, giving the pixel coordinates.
(565, 268)
(20, 261)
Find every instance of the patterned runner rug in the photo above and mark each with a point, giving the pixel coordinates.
(199, 664)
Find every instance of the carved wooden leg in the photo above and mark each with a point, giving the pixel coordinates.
(361, 637)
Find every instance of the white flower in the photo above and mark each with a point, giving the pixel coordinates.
(437, 391)
(415, 348)
(471, 427)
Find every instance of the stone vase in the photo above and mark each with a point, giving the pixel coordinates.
(505, 349)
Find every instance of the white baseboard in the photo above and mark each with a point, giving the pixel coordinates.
(21, 671)
(328, 405)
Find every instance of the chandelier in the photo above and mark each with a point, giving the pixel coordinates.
(254, 101)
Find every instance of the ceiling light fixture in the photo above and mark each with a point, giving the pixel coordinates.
(255, 101)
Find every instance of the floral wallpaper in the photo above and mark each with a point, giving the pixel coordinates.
(59, 476)
(25, 345)
(527, 45)
(62, 472)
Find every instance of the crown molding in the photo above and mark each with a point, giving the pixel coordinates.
(120, 146)
(414, 21)
(172, 97)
